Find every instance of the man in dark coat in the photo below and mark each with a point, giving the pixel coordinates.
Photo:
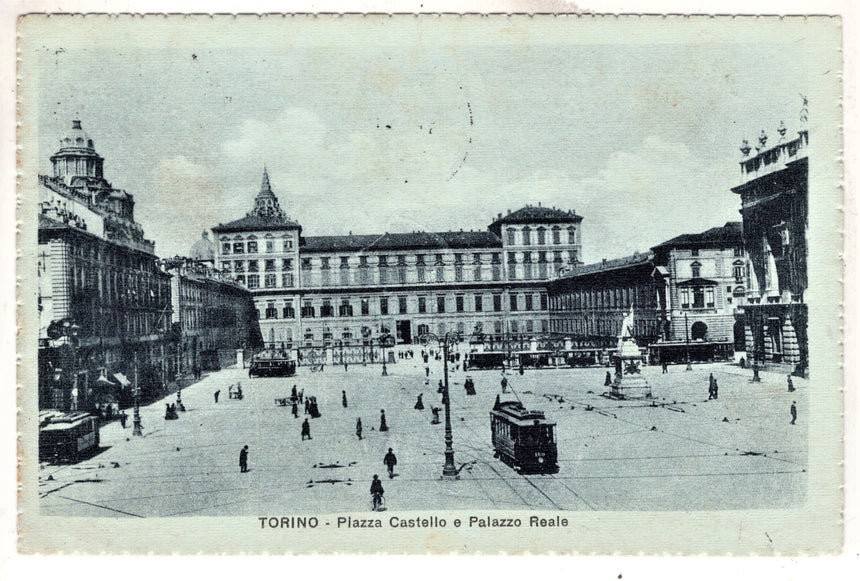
(295, 409)
(790, 384)
(217, 393)
(608, 380)
(343, 398)
(390, 460)
(306, 430)
(243, 459)
(504, 384)
(376, 490)
(793, 412)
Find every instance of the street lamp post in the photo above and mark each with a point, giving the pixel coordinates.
(687, 335)
(449, 470)
(137, 431)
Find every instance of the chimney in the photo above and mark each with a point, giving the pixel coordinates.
(538, 204)
(509, 211)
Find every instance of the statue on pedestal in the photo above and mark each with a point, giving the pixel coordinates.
(628, 381)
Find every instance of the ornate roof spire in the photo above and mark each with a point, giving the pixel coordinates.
(266, 188)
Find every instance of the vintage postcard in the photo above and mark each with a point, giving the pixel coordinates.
(430, 284)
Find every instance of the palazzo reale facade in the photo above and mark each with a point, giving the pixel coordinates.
(356, 289)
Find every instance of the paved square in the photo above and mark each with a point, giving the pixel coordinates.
(676, 452)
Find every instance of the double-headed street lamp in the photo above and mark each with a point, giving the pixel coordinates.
(451, 338)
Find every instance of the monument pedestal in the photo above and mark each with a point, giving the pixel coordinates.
(629, 383)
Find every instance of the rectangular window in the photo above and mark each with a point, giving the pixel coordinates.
(422, 304)
(271, 280)
(325, 263)
(253, 266)
(541, 236)
(497, 327)
(225, 248)
(458, 273)
(345, 308)
(383, 306)
(287, 280)
(479, 303)
(440, 273)
(476, 273)
(239, 266)
(530, 326)
(422, 275)
(271, 311)
(529, 302)
(270, 246)
(513, 302)
(253, 281)
(287, 264)
(571, 235)
(543, 302)
(288, 244)
(240, 279)
(401, 274)
(327, 310)
(698, 298)
(515, 326)
(497, 303)
(511, 237)
(252, 247)
(556, 235)
(238, 248)
(739, 273)
(401, 304)
(694, 252)
(365, 306)
(497, 271)
(308, 311)
(306, 263)
(440, 304)
(270, 265)
(527, 236)
(709, 297)
(289, 311)
(226, 266)
(459, 303)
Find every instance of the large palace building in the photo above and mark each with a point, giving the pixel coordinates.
(329, 291)
(774, 195)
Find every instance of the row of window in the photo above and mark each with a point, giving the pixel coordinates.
(402, 305)
(540, 237)
(597, 327)
(253, 247)
(253, 281)
(607, 298)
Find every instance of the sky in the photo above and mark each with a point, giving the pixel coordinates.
(382, 132)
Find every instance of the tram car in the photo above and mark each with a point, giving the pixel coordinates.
(67, 437)
(487, 360)
(523, 439)
(271, 363)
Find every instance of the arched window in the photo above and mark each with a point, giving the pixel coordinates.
(527, 236)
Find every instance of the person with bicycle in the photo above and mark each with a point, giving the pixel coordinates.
(376, 492)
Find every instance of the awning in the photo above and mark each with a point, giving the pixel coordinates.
(123, 380)
(698, 282)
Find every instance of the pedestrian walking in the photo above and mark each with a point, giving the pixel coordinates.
(793, 412)
(504, 384)
(383, 426)
(522, 369)
(295, 409)
(345, 367)
(123, 418)
(711, 387)
(419, 405)
(435, 419)
(716, 389)
(608, 380)
(307, 406)
(343, 398)
(426, 371)
(294, 394)
(376, 492)
(358, 428)
(790, 383)
(390, 460)
(243, 459)
(217, 393)
(665, 367)
(306, 430)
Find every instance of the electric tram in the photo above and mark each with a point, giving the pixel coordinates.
(523, 439)
(67, 437)
(272, 363)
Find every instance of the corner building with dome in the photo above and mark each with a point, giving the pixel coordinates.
(339, 292)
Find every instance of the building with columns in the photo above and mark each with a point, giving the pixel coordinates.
(354, 289)
(104, 304)
(774, 194)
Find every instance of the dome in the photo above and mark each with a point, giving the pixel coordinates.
(203, 249)
(77, 138)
